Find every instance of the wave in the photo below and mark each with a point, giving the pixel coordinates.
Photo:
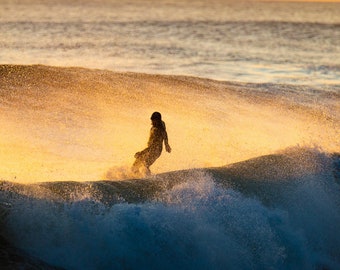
(228, 196)
(80, 124)
(265, 173)
(276, 211)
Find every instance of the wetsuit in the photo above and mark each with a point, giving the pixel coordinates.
(149, 155)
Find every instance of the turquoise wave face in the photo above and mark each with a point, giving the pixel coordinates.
(277, 211)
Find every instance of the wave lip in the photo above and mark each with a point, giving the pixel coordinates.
(258, 176)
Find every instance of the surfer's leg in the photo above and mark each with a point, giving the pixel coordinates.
(140, 169)
(136, 166)
(143, 171)
(147, 171)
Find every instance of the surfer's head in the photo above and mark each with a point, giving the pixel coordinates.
(156, 119)
(156, 116)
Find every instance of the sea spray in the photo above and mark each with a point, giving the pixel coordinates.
(62, 124)
(201, 234)
(195, 219)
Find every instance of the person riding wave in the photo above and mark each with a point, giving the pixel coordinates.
(146, 157)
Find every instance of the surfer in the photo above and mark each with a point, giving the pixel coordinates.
(146, 157)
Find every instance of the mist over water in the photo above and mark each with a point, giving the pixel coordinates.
(80, 124)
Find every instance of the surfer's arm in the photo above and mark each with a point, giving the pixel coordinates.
(166, 141)
(167, 146)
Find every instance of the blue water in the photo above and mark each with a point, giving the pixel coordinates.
(284, 217)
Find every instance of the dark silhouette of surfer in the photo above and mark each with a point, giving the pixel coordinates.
(146, 157)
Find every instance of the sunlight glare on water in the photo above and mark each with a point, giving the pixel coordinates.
(244, 41)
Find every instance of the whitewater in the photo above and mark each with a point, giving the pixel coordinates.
(265, 213)
(250, 95)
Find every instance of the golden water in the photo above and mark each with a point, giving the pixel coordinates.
(79, 124)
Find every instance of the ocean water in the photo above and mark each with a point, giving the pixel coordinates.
(266, 213)
(247, 41)
(250, 94)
